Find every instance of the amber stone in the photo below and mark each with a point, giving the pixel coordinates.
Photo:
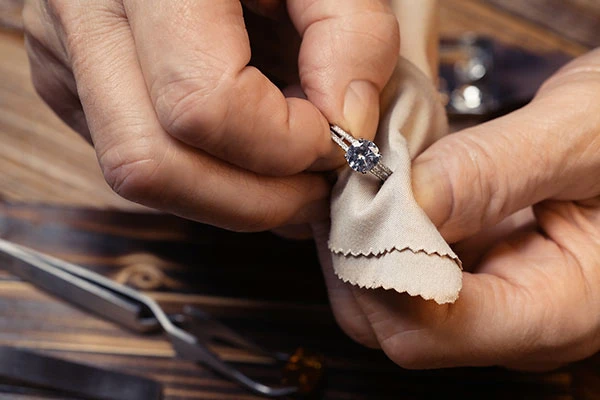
(306, 370)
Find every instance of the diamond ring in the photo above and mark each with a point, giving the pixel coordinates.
(362, 155)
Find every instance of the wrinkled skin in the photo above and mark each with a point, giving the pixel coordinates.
(531, 286)
(180, 121)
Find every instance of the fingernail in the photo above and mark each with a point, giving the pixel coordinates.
(361, 109)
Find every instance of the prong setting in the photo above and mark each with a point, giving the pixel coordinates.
(362, 155)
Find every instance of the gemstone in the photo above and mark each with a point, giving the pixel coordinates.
(362, 155)
(305, 369)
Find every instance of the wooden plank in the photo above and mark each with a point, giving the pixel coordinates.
(270, 290)
(482, 17)
(278, 320)
(578, 20)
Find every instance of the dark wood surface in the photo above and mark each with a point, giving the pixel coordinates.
(268, 289)
(53, 198)
(574, 19)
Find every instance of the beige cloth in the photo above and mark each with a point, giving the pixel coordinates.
(380, 237)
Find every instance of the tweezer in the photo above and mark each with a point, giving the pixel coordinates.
(136, 311)
(27, 371)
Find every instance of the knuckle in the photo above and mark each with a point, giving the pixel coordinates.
(431, 171)
(464, 164)
(130, 170)
(380, 33)
(192, 108)
(486, 184)
(375, 43)
(130, 177)
(384, 31)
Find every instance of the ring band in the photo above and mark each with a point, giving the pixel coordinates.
(362, 155)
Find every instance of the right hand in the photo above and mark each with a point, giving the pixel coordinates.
(180, 121)
(531, 283)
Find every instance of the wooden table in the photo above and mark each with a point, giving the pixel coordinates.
(55, 199)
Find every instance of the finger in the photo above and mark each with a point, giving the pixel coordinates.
(344, 305)
(494, 322)
(527, 307)
(348, 52)
(52, 79)
(194, 56)
(55, 84)
(417, 334)
(548, 149)
(472, 249)
(145, 164)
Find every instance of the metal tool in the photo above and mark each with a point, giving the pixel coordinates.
(482, 77)
(138, 312)
(29, 371)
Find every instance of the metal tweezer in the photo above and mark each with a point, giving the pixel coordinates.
(136, 311)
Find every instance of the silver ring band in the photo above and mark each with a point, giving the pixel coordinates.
(362, 155)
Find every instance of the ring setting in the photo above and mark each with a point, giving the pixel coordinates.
(362, 155)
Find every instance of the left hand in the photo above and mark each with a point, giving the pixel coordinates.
(531, 296)
(181, 118)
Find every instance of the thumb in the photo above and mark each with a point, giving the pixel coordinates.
(348, 53)
(477, 177)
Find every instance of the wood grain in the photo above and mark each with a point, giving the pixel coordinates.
(279, 313)
(267, 288)
(481, 17)
(574, 19)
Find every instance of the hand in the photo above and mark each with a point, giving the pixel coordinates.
(531, 295)
(182, 123)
